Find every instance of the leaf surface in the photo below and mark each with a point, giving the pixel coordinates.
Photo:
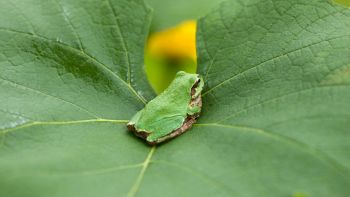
(275, 106)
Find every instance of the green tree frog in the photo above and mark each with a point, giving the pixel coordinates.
(172, 112)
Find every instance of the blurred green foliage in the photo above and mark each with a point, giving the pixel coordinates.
(161, 71)
(167, 13)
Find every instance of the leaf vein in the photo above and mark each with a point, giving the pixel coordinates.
(83, 54)
(124, 44)
(280, 97)
(134, 189)
(68, 122)
(324, 157)
(17, 85)
(92, 172)
(201, 175)
(70, 24)
(271, 59)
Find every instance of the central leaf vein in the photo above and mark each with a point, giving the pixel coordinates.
(134, 189)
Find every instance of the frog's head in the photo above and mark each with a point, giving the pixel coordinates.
(187, 76)
(195, 81)
(182, 73)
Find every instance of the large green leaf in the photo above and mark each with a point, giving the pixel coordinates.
(70, 75)
(278, 89)
(275, 114)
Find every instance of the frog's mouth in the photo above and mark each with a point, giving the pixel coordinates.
(189, 121)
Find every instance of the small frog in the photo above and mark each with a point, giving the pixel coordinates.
(172, 112)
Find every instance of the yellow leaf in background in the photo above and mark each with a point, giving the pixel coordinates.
(176, 42)
(170, 51)
(344, 2)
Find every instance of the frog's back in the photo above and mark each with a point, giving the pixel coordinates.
(168, 111)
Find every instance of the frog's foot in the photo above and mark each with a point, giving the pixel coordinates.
(140, 134)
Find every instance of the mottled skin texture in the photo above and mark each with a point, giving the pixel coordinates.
(172, 112)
